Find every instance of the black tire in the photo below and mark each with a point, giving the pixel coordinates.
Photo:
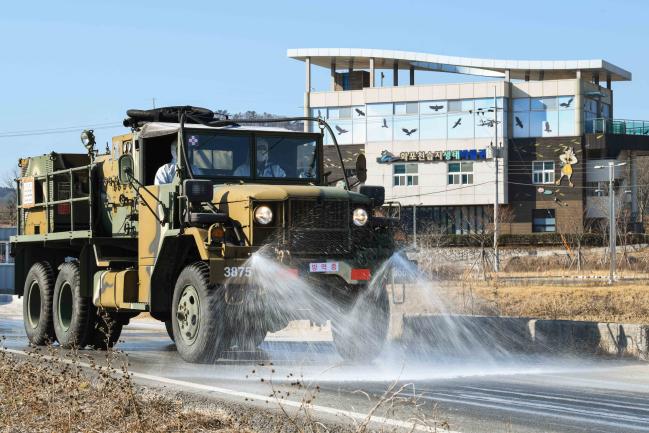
(106, 330)
(198, 315)
(37, 304)
(361, 330)
(169, 326)
(72, 311)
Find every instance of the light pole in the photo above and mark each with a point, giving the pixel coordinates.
(612, 235)
(496, 151)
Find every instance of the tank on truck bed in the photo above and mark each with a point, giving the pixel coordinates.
(170, 219)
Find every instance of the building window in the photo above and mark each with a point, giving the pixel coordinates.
(405, 175)
(543, 171)
(382, 109)
(406, 108)
(460, 173)
(544, 220)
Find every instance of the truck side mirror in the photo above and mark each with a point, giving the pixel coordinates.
(125, 167)
(376, 193)
(361, 168)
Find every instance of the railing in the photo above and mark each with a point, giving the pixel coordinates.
(49, 205)
(617, 126)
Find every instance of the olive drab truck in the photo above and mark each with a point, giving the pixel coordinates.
(166, 221)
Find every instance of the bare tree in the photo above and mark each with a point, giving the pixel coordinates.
(8, 211)
(574, 231)
(483, 235)
(642, 163)
(432, 241)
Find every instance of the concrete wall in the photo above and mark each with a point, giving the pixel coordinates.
(459, 334)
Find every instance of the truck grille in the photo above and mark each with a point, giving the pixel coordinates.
(319, 226)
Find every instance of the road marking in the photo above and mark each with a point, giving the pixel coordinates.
(410, 426)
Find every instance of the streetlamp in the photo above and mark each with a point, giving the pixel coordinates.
(611, 215)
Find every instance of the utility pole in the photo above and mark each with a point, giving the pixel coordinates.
(612, 232)
(495, 156)
(611, 222)
(153, 101)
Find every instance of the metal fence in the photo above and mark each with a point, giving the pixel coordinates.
(617, 126)
(6, 261)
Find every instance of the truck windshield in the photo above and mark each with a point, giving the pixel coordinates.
(217, 155)
(277, 156)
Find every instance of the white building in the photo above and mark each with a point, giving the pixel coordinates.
(432, 145)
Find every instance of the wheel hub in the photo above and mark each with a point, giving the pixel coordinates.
(188, 314)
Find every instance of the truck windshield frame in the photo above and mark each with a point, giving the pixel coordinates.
(266, 156)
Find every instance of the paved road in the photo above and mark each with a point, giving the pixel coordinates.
(491, 394)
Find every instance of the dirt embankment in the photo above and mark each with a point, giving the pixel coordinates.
(622, 302)
(40, 395)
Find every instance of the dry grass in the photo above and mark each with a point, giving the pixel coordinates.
(628, 303)
(38, 394)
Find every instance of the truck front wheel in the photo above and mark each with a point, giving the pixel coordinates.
(360, 331)
(37, 304)
(198, 315)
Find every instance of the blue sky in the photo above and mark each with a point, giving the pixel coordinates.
(76, 63)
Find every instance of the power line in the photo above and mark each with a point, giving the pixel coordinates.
(62, 130)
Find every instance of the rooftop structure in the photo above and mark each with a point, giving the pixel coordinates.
(362, 58)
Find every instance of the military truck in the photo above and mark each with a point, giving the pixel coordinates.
(103, 237)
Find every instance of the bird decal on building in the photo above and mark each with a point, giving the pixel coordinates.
(489, 122)
(385, 123)
(547, 127)
(359, 111)
(341, 130)
(409, 132)
(519, 122)
(435, 107)
(566, 104)
(457, 123)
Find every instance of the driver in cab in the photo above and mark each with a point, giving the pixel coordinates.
(265, 167)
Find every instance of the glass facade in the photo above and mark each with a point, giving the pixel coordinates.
(423, 120)
(544, 117)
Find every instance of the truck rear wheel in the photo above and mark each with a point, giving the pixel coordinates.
(198, 315)
(72, 311)
(361, 330)
(37, 304)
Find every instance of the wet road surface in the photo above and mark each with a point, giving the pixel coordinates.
(513, 393)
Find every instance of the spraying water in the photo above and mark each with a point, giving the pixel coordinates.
(435, 345)
(437, 342)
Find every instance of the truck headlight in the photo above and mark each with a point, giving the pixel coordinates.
(263, 215)
(359, 217)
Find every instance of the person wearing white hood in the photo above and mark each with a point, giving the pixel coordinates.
(166, 173)
(265, 167)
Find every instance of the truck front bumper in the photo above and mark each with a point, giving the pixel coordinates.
(240, 272)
